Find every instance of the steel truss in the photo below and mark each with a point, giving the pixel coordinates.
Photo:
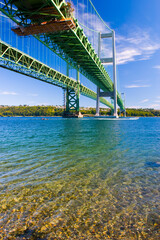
(72, 45)
(15, 60)
(72, 101)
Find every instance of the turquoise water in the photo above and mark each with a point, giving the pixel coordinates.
(79, 178)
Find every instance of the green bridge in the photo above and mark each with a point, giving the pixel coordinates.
(52, 23)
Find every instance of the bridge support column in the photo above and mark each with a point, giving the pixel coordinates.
(97, 101)
(72, 100)
(112, 60)
(78, 92)
(114, 74)
(98, 89)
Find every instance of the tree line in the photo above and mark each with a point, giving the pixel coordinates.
(147, 112)
(36, 111)
(49, 111)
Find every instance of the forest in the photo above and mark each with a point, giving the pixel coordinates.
(50, 111)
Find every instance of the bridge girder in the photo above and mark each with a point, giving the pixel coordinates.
(15, 60)
(90, 65)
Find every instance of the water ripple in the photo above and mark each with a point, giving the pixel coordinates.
(78, 179)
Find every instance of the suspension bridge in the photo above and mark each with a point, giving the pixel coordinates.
(60, 42)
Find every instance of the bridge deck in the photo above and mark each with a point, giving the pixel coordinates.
(15, 60)
(72, 45)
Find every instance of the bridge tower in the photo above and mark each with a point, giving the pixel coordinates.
(113, 94)
(72, 100)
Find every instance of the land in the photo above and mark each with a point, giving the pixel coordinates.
(51, 111)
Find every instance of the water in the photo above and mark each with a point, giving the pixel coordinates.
(79, 179)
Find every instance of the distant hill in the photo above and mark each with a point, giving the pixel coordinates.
(35, 111)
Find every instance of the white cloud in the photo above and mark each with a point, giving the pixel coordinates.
(157, 67)
(33, 103)
(92, 25)
(138, 81)
(156, 106)
(33, 94)
(136, 45)
(8, 93)
(137, 86)
(7, 19)
(127, 55)
(43, 104)
(134, 107)
(83, 6)
(144, 100)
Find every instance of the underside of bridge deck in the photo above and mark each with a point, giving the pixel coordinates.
(70, 44)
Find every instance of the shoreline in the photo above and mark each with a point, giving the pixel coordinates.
(83, 116)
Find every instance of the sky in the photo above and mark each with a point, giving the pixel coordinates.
(136, 24)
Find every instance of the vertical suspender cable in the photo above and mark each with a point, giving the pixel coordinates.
(77, 9)
(87, 13)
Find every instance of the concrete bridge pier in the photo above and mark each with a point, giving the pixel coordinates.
(113, 94)
(114, 74)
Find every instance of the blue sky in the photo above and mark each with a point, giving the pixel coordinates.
(138, 49)
(136, 23)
